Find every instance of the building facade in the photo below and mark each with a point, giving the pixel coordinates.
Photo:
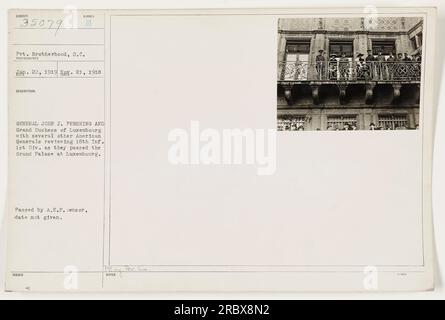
(349, 73)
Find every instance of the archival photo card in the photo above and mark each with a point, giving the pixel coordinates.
(349, 73)
(149, 150)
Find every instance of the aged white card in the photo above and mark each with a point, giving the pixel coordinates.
(220, 150)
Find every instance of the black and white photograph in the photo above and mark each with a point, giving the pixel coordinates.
(349, 73)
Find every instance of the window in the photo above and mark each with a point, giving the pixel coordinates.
(291, 123)
(342, 122)
(393, 122)
(339, 47)
(295, 47)
(419, 40)
(385, 46)
(341, 71)
(414, 42)
(297, 59)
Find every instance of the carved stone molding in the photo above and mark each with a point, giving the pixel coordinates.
(369, 93)
(315, 94)
(342, 88)
(418, 94)
(396, 97)
(288, 94)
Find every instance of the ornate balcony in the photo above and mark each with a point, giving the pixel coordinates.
(346, 73)
(352, 71)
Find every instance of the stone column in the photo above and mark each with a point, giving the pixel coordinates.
(403, 44)
(281, 55)
(316, 120)
(317, 43)
(281, 47)
(396, 97)
(288, 94)
(416, 117)
(367, 119)
(418, 94)
(375, 117)
(411, 120)
(369, 93)
(323, 120)
(342, 88)
(417, 41)
(360, 44)
(315, 94)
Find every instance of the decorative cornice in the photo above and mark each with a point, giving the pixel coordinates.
(418, 24)
(349, 32)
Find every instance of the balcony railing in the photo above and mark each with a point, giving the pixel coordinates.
(350, 71)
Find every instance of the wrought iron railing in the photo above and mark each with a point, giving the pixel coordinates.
(350, 71)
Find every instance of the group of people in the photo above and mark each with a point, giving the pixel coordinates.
(345, 127)
(352, 126)
(372, 126)
(378, 67)
(295, 125)
(289, 125)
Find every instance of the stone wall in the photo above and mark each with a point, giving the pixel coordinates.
(379, 24)
(317, 119)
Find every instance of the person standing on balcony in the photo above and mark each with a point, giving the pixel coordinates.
(369, 65)
(398, 66)
(360, 66)
(390, 66)
(380, 57)
(346, 126)
(333, 72)
(320, 61)
(406, 58)
(344, 67)
(391, 57)
(417, 67)
(379, 66)
(410, 67)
